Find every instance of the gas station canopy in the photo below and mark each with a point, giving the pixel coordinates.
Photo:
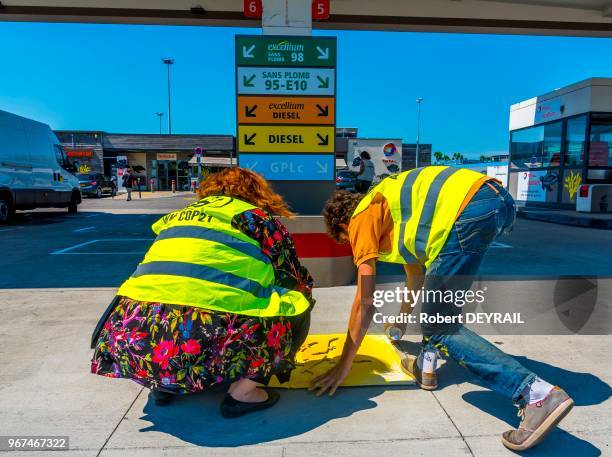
(531, 17)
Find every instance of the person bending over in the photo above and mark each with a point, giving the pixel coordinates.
(438, 222)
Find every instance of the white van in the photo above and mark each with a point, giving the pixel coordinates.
(34, 171)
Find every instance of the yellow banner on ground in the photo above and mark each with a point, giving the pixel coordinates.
(377, 363)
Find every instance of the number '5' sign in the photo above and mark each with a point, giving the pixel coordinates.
(320, 9)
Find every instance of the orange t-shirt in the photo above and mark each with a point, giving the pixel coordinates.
(371, 231)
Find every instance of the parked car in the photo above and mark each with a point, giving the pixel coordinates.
(96, 185)
(34, 172)
(345, 180)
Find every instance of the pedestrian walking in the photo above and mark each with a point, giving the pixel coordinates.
(365, 176)
(220, 298)
(128, 182)
(438, 222)
(113, 186)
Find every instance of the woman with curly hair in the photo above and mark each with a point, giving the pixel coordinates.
(219, 298)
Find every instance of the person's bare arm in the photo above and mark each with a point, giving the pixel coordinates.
(361, 168)
(414, 281)
(359, 322)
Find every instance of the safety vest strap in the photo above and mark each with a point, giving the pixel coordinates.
(427, 214)
(205, 233)
(406, 209)
(206, 273)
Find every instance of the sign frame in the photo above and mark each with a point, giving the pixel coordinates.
(246, 49)
(320, 82)
(332, 65)
(294, 139)
(298, 110)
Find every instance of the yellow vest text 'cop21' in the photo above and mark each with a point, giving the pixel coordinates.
(424, 203)
(198, 259)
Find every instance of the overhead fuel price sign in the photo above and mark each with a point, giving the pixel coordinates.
(285, 51)
(286, 106)
(283, 138)
(287, 81)
(287, 110)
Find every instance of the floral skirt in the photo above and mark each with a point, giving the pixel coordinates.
(183, 349)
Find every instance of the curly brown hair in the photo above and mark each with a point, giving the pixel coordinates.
(338, 210)
(245, 185)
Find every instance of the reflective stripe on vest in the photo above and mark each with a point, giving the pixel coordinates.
(199, 259)
(206, 273)
(423, 203)
(204, 233)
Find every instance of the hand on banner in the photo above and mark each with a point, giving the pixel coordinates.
(330, 380)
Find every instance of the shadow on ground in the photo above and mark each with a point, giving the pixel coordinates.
(196, 418)
(585, 388)
(562, 444)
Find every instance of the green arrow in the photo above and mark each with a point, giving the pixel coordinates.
(323, 83)
(248, 82)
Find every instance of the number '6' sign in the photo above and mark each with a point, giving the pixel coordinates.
(253, 8)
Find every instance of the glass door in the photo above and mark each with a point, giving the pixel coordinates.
(162, 175)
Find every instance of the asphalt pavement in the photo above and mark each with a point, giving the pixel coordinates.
(60, 271)
(102, 244)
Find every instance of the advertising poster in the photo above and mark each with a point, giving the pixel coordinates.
(122, 166)
(84, 159)
(386, 154)
(499, 172)
(534, 186)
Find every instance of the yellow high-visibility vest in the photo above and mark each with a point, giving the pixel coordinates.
(198, 259)
(424, 203)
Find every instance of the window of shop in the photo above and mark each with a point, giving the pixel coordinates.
(575, 141)
(600, 147)
(536, 147)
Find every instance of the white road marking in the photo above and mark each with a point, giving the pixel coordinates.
(497, 244)
(76, 246)
(84, 229)
(101, 253)
(67, 251)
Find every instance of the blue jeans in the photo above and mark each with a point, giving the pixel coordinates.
(488, 215)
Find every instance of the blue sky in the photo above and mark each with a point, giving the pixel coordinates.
(110, 77)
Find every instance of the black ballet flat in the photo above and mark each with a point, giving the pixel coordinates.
(232, 408)
(161, 398)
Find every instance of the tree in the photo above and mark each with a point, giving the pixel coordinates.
(446, 158)
(458, 157)
(483, 158)
(438, 156)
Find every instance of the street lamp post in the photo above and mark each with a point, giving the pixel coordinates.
(418, 138)
(168, 62)
(160, 115)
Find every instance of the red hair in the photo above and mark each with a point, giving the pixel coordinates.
(245, 185)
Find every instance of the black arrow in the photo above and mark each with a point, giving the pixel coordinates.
(323, 111)
(323, 141)
(249, 112)
(249, 140)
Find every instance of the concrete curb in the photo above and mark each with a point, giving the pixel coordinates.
(564, 219)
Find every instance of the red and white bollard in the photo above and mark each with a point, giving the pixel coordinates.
(173, 186)
(152, 182)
